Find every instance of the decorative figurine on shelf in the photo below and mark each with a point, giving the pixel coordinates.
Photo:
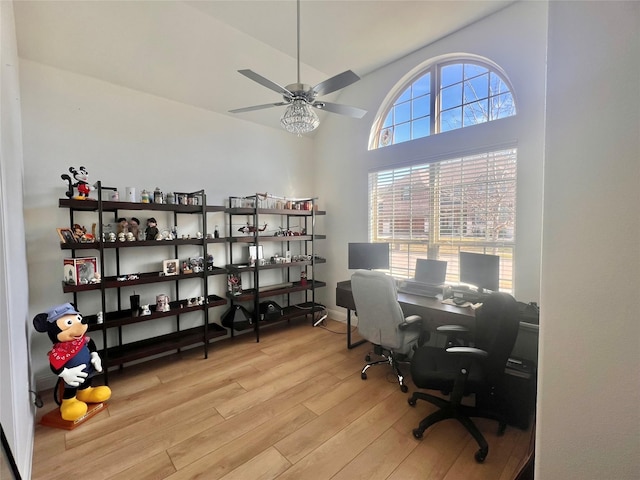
(216, 232)
(74, 358)
(81, 235)
(123, 225)
(145, 310)
(162, 303)
(158, 197)
(234, 284)
(251, 229)
(134, 227)
(151, 232)
(81, 177)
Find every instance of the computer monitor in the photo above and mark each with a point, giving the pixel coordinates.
(482, 271)
(368, 256)
(430, 272)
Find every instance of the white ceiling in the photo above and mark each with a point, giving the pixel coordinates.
(190, 51)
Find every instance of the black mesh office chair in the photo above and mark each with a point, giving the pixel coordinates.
(381, 321)
(464, 370)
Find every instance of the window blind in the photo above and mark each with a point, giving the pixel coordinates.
(435, 210)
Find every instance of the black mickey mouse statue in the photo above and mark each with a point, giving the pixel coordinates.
(81, 177)
(74, 358)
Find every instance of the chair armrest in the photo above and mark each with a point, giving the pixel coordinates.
(452, 329)
(468, 352)
(410, 321)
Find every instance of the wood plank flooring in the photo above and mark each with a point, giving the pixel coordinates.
(290, 407)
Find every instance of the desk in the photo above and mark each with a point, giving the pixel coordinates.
(430, 309)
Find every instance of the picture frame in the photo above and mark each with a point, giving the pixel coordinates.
(171, 267)
(66, 235)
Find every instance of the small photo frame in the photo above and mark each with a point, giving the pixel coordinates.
(171, 267)
(66, 235)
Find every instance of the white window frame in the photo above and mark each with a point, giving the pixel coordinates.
(384, 133)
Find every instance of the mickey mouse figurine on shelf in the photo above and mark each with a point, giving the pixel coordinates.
(81, 177)
(74, 358)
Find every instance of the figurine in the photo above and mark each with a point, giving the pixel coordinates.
(145, 310)
(112, 237)
(123, 225)
(134, 227)
(121, 237)
(130, 237)
(74, 358)
(152, 232)
(81, 177)
(81, 235)
(251, 229)
(162, 303)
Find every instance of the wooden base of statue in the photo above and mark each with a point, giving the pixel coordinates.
(53, 418)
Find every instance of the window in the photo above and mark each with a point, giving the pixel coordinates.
(467, 92)
(435, 210)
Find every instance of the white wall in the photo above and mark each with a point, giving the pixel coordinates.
(515, 39)
(17, 411)
(127, 138)
(589, 387)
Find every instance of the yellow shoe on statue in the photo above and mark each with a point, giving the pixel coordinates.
(72, 409)
(94, 394)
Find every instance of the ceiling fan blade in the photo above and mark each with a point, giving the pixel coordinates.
(265, 82)
(347, 110)
(332, 84)
(258, 107)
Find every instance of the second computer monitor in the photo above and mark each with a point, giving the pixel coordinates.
(430, 272)
(368, 256)
(482, 271)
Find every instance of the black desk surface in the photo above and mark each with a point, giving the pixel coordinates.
(430, 309)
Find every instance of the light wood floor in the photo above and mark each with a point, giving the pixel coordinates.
(290, 407)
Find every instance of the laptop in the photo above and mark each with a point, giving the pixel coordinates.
(429, 278)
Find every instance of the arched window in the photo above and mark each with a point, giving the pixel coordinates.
(446, 96)
(464, 201)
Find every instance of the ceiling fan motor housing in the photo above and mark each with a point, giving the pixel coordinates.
(300, 90)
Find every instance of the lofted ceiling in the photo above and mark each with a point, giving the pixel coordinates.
(190, 51)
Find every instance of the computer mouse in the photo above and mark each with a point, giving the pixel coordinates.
(459, 301)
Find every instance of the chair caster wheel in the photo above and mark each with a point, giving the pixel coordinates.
(412, 401)
(404, 388)
(417, 433)
(363, 376)
(481, 455)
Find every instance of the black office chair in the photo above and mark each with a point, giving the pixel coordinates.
(381, 322)
(463, 370)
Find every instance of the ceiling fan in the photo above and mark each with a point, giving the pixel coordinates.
(301, 98)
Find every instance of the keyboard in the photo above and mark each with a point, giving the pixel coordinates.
(420, 289)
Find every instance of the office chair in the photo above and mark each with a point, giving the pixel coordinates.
(381, 321)
(463, 370)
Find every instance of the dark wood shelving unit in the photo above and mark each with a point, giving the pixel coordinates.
(129, 352)
(117, 354)
(305, 237)
(122, 353)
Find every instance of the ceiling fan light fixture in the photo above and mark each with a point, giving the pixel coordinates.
(299, 118)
